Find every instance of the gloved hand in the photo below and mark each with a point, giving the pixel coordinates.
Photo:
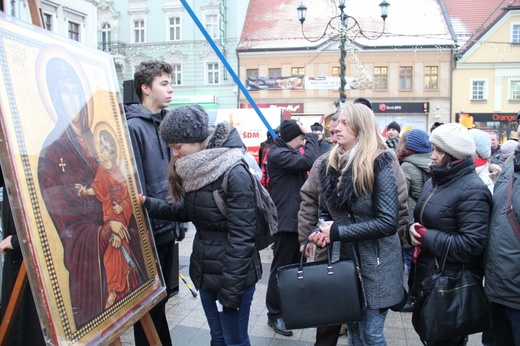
(421, 231)
(180, 230)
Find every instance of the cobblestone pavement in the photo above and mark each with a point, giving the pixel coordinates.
(189, 327)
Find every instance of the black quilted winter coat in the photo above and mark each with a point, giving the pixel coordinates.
(224, 258)
(455, 201)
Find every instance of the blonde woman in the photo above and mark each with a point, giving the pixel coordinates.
(358, 190)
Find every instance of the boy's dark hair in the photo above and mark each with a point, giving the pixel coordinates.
(363, 101)
(145, 73)
(435, 125)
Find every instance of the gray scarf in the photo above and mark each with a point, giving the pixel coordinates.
(204, 167)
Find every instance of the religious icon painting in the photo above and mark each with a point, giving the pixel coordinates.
(72, 182)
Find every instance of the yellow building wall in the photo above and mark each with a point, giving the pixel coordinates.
(494, 60)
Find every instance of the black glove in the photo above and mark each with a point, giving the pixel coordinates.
(180, 231)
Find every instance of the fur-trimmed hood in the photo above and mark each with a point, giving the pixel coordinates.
(345, 197)
(224, 135)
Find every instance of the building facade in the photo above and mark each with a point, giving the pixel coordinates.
(486, 75)
(138, 30)
(406, 73)
(75, 19)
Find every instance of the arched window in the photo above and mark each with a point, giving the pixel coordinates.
(106, 37)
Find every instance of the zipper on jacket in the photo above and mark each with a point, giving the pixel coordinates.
(376, 250)
(424, 204)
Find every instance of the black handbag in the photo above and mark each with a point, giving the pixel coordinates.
(450, 305)
(318, 294)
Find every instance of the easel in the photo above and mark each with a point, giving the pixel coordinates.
(21, 279)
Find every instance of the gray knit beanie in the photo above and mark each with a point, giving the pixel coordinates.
(454, 139)
(185, 124)
(482, 143)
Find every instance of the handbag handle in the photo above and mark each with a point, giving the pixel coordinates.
(330, 271)
(445, 250)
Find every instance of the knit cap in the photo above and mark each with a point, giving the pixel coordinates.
(482, 143)
(394, 125)
(454, 139)
(289, 130)
(185, 124)
(508, 148)
(417, 141)
(316, 127)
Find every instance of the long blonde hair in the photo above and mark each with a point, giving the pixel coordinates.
(369, 144)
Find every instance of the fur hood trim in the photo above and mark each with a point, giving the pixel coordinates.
(344, 196)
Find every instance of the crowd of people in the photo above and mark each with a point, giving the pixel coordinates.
(388, 203)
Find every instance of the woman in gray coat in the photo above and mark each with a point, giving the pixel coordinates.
(358, 191)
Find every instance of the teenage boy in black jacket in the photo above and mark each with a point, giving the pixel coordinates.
(152, 83)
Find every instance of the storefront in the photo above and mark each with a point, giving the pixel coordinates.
(206, 101)
(503, 124)
(407, 114)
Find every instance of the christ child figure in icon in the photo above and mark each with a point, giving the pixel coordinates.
(110, 188)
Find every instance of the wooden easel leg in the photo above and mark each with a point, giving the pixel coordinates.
(14, 302)
(150, 331)
(116, 342)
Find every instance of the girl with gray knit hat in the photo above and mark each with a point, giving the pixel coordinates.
(454, 202)
(225, 264)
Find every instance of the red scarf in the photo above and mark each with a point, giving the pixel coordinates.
(480, 162)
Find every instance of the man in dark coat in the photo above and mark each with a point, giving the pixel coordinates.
(502, 272)
(323, 145)
(288, 169)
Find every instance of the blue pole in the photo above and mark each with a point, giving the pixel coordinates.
(227, 66)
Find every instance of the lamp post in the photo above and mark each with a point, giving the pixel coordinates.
(343, 30)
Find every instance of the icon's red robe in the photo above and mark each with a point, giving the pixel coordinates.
(78, 220)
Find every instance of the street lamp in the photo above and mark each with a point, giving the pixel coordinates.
(344, 28)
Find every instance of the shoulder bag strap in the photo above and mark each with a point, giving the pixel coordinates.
(509, 209)
(445, 250)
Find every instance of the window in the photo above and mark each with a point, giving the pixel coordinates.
(516, 34)
(252, 73)
(431, 77)
(139, 31)
(380, 77)
(74, 31)
(211, 25)
(175, 28)
(275, 72)
(298, 71)
(177, 74)
(48, 19)
(106, 37)
(336, 70)
(478, 89)
(405, 78)
(514, 94)
(213, 73)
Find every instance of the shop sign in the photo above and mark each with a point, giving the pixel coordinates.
(193, 99)
(401, 107)
(290, 107)
(280, 83)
